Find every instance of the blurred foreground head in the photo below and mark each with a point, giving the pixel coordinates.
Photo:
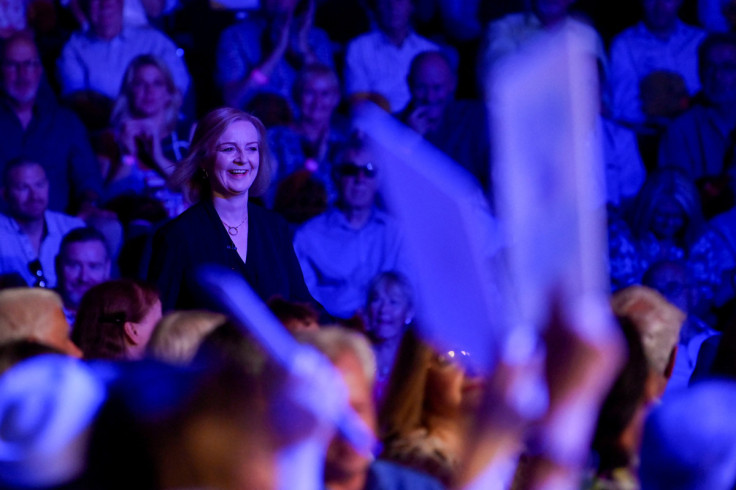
(47, 404)
(35, 314)
(658, 322)
(171, 427)
(352, 356)
(690, 441)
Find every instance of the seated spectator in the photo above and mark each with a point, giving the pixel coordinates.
(458, 128)
(300, 197)
(83, 262)
(665, 222)
(700, 142)
(510, 34)
(313, 140)
(430, 404)
(115, 320)
(341, 250)
(389, 311)
(661, 42)
(36, 127)
(36, 315)
(95, 60)
(673, 280)
(151, 133)
(378, 62)
(30, 234)
(344, 466)
(264, 52)
(179, 334)
(713, 261)
(658, 322)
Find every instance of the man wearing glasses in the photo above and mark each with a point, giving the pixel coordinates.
(34, 125)
(341, 250)
(30, 234)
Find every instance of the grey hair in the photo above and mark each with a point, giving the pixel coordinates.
(657, 320)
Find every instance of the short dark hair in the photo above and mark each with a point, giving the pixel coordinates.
(83, 234)
(20, 161)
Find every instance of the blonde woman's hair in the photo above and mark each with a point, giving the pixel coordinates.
(191, 172)
(179, 334)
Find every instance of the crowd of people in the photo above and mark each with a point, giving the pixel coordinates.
(144, 139)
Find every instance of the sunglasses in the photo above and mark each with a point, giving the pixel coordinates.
(350, 169)
(37, 271)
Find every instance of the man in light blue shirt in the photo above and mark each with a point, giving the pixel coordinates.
(341, 250)
(30, 234)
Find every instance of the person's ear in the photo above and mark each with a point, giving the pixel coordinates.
(131, 332)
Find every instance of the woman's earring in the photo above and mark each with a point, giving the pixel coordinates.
(205, 175)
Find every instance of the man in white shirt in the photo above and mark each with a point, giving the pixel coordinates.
(378, 62)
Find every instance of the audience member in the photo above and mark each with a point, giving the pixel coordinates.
(509, 34)
(658, 323)
(458, 128)
(34, 126)
(265, 51)
(345, 468)
(378, 62)
(296, 317)
(389, 311)
(674, 280)
(83, 262)
(700, 142)
(30, 234)
(341, 250)
(429, 408)
(115, 320)
(690, 442)
(665, 222)
(300, 197)
(95, 60)
(660, 46)
(151, 133)
(47, 405)
(228, 162)
(312, 142)
(36, 315)
(177, 336)
(713, 260)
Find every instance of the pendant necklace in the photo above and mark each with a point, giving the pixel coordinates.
(233, 230)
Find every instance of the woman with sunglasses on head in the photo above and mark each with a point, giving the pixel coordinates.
(429, 407)
(228, 162)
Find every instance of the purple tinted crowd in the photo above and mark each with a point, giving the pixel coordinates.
(143, 139)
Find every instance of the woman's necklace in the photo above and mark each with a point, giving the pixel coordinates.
(233, 230)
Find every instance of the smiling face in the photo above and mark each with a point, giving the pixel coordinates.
(319, 98)
(237, 158)
(83, 265)
(450, 389)
(389, 310)
(149, 92)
